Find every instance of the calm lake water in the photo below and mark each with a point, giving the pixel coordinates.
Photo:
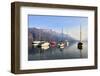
(70, 52)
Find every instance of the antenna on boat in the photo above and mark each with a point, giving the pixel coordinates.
(80, 44)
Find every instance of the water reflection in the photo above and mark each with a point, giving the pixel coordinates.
(80, 53)
(70, 52)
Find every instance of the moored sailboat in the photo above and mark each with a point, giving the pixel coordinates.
(80, 44)
(40, 43)
(61, 44)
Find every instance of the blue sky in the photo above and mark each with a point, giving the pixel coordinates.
(70, 24)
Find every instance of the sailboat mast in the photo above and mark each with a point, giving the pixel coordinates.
(80, 43)
(62, 33)
(80, 34)
(40, 34)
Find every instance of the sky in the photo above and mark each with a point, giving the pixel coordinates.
(69, 24)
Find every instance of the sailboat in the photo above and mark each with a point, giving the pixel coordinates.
(43, 44)
(40, 43)
(66, 42)
(61, 44)
(36, 43)
(80, 44)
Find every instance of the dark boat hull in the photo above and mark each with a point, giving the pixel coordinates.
(80, 45)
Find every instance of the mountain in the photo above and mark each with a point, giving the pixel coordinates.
(47, 35)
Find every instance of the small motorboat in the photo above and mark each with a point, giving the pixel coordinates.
(61, 45)
(35, 43)
(44, 45)
(52, 44)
